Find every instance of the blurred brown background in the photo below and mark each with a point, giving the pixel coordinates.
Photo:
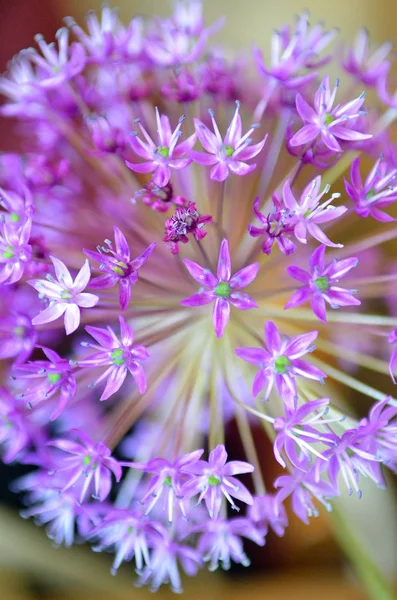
(305, 564)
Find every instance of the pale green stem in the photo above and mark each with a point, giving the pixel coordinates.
(373, 580)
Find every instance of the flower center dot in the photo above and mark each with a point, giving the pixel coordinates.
(117, 357)
(167, 481)
(322, 284)
(213, 481)
(87, 460)
(281, 364)
(370, 194)
(9, 252)
(329, 119)
(223, 289)
(229, 150)
(14, 218)
(164, 151)
(120, 268)
(66, 295)
(54, 377)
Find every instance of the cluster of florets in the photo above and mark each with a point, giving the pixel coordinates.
(115, 415)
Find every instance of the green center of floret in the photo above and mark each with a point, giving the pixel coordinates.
(117, 356)
(9, 252)
(322, 284)
(167, 481)
(14, 218)
(213, 481)
(120, 268)
(54, 377)
(281, 364)
(164, 151)
(66, 295)
(329, 119)
(223, 289)
(229, 150)
(370, 194)
(87, 460)
(19, 331)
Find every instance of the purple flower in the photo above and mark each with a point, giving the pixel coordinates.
(65, 296)
(350, 461)
(221, 541)
(294, 50)
(308, 214)
(281, 363)
(167, 481)
(163, 566)
(172, 47)
(223, 289)
(319, 284)
(56, 67)
(278, 226)
(15, 427)
(55, 377)
(303, 487)
(296, 430)
(367, 67)
(331, 124)
(165, 155)
(118, 266)
(185, 221)
(215, 480)
(229, 154)
(376, 193)
(267, 511)
(378, 433)
(15, 251)
(130, 534)
(17, 337)
(100, 40)
(90, 462)
(121, 356)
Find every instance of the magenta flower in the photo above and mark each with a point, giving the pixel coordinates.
(319, 284)
(167, 154)
(221, 543)
(167, 481)
(184, 222)
(65, 296)
(56, 67)
(281, 363)
(267, 512)
(308, 214)
(294, 49)
(121, 356)
(303, 487)
(278, 226)
(172, 47)
(367, 67)
(223, 289)
(298, 431)
(54, 377)
(118, 266)
(331, 124)
(215, 480)
(376, 193)
(90, 462)
(15, 251)
(229, 154)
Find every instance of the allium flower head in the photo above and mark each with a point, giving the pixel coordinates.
(154, 160)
